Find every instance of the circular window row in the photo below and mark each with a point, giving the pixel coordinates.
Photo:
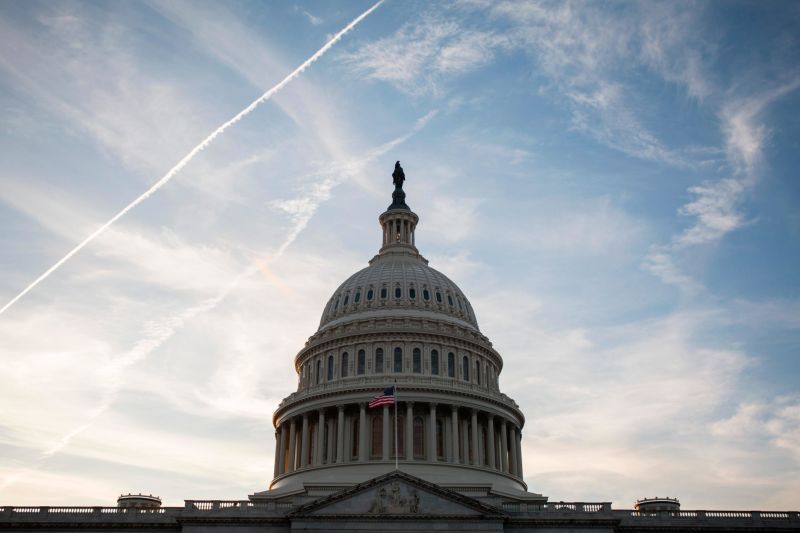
(457, 304)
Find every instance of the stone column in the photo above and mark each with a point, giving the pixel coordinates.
(275, 471)
(409, 436)
(292, 446)
(512, 449)
(518, 447)
(363, 453)
(279, 451)
(340, 436)
(331, 443)
(503, 446)
(465, 441)
(304, 443)
(320, 437)
(432, 434)
(454, 431)
(386, 439)
(490, 451)
(476, 456)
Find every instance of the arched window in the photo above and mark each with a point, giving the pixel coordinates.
(345, 362)
(449, 300)
(398, 359)
(439, 439)
(451, 365)
(377, 436)
(478, 372)
(398, 292)
(362, 362)
(438, 297)
(330, 367)
(412, 293)
(384, 293)
(354, 438)
(347, 299)
(426, 295)
(319, 370)
(465, 368)
(370, 294)
(379, 360)
(358, 297)
(401, 437)
(419, 437)
(416, 361)
(434, 363)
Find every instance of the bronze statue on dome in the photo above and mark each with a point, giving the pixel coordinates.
(398, 176)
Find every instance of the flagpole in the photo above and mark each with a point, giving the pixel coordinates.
(395, 426)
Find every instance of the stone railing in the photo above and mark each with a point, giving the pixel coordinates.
(556, 507)
(549, 510)
(712, 515)
(380, 381)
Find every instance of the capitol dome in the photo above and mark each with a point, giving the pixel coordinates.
(398, 284)
(398, 323)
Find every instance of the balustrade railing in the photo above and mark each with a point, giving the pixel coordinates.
(551, 509)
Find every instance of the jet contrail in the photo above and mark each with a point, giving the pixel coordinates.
(197, 149)
(162, 330)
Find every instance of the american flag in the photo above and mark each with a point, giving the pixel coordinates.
(385, 398)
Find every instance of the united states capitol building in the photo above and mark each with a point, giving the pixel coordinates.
(445, 456)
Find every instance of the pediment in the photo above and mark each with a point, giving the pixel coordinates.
(397, 494)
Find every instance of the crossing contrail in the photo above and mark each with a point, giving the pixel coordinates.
(197, 149)
(160, 331)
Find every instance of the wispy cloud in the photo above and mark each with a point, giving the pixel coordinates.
(715, 207)
(194, 151)
(157, 332)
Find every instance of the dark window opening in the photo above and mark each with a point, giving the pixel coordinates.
(438, 296)
(426, 295)
(330, 367)
(412, 293)
(347, 299)
(384, 293)
(451, 365)
(358, 297)
(319, 370)
(377, 436)
(398, 360)
(345, 362)
(419, 437)
(477, 372)
(370, 294)
(465, 368)
(398, 292)
(354, 438)
(416, 361)
(449, 300)
(362, 361)
(379, 361)
(434, 362)
(401, 437)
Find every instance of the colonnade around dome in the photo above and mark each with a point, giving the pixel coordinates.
(426, 432)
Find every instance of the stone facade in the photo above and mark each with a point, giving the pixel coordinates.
(445, 457)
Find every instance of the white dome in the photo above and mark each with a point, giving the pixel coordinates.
(400, 285)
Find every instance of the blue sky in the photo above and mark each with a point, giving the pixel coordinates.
(613, 185)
